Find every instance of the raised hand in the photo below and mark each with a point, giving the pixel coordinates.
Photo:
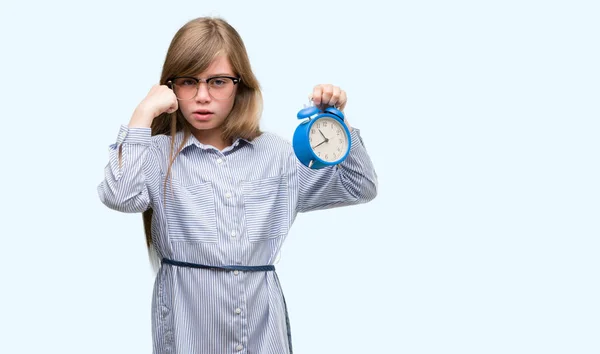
(160, 99)
(329, 95)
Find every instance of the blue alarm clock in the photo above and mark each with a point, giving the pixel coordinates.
(322, 139)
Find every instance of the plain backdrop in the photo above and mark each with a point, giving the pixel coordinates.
(482, 120)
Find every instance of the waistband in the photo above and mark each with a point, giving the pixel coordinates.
(262, 268)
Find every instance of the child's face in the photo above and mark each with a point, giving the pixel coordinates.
(203, 112)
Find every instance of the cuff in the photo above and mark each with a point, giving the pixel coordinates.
(128, 135)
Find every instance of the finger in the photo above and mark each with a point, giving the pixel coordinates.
(335, 96)
(326, 95)
(173, 107)
(342, 101)
(316, 95)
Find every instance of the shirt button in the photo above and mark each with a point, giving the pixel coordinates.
(238, 311)
(236, 272)
(227, 195)
(219, 161)
(239, 347)
(233, 233)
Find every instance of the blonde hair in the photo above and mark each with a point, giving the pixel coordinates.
(193, 48)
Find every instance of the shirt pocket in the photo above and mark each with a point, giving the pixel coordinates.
(266, 208)
(190, 212)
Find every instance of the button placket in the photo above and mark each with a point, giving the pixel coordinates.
(228, 193)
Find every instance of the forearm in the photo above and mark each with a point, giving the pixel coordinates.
(353, 181)
(124, 185)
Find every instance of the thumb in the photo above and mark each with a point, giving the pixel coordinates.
(173, 108)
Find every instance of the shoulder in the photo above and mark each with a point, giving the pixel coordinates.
(160, 145)
(269, 139)
(161, 140)
(272, 145)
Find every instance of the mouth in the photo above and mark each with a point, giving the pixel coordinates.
(202, 114)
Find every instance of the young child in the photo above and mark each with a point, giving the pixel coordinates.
(218, 196)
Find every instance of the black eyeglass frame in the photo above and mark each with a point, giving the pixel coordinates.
(171, 84)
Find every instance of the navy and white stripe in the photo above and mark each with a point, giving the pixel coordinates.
(230, 207)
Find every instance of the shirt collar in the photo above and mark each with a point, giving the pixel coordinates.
(193, 141)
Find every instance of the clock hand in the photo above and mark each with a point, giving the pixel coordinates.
(322, 142)
(323, 135)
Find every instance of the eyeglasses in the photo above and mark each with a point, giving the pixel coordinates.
(219, 87)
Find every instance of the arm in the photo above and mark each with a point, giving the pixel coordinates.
(124, 187)
(132, 163)
(354, 181)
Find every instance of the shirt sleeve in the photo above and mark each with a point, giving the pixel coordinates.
(353, 181)
(124, 186)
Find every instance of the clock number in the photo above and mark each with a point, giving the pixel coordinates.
(319, 154)
(324, 124)
(339, 132)
(312, 131)
(326, 156)
(341, 140)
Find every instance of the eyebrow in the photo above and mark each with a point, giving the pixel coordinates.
(219, 74)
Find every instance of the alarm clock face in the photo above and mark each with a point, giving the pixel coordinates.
(328, 139)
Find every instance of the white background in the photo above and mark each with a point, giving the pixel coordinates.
(481, 117)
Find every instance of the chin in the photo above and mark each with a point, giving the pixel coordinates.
(212, 123)
(203, 125)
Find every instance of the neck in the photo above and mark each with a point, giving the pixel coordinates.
(211, 137)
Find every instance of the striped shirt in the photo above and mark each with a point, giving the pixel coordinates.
(228, 207)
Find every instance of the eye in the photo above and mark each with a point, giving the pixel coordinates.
(187, 82)
(219, 82)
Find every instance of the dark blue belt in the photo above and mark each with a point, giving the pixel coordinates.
(263, 268)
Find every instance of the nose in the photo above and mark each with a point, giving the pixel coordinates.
(202, 95)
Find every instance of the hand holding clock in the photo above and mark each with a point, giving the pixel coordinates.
(324, 95)
(323, 121)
